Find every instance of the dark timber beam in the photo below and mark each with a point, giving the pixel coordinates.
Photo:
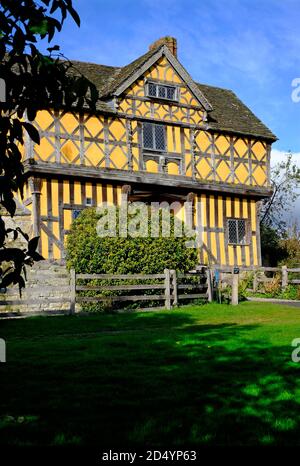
(141, 177)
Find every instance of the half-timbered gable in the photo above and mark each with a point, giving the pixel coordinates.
(159, 135)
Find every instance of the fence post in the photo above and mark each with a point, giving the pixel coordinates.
(284, 280)
(255, 283)
(209, 285)
(174, 285)
(235, 289)
(167, 289)
(72, 291)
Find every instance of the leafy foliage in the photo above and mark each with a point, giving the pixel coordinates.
(291, 244)
(272, 249)
(89, 253)
(33, 81)
(285, 180)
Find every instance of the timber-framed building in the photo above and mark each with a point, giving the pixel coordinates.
(156, 135)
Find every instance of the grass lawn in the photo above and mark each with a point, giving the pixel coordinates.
(203, 375)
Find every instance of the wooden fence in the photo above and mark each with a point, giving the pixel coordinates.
(259, 276)
(171, 287)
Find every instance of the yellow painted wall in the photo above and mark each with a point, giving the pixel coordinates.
(218, 158)
(60, 197)
(56, 216)
(214, 248)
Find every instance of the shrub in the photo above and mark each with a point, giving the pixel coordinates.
(87, 252)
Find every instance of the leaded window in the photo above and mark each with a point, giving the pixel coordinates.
(237, 232)
(162, 91)
(154, 137)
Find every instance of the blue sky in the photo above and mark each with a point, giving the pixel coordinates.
(249, 46)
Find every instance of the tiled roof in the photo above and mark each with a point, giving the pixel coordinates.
(228, 113)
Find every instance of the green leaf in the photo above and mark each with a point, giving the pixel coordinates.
(32, 132)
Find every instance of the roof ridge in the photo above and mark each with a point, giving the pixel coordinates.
(93, 63)
(214, 87)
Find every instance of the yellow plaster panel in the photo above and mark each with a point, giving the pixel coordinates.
(94, 155)
(77, 192)
(117, 158)
(253, 215)
(119, 194)
(99, 194)
(220, 212)
(247, 255)
(117, 129)
(203, 207)
(228, 207)
(212, 211)
(222, 248)
(241, 173)
(223, 171)
(254, 243)
(188, 164)
(44, 210)
(67, 219)
(222, 144)
(70, 152)
(66, 192)
(110, 199)
(240, 147)
(93, 127)
(172, 168)
(54, 187)
(46, 148)
(236, 207)
(213, 244)
(230, 255)
(202, 140)
(69, 124)
(239, 255)
(89, 190)
(259, 175)
(44, 119)
(245, 208)
(152, 166)
(203, 168)
(259, 150)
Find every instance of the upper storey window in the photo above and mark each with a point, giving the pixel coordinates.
(154, 136)
(162, 91)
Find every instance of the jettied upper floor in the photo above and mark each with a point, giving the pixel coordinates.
(157, 126)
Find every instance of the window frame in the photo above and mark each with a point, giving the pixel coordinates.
(162, 151)
(162, 84)
(246, 241)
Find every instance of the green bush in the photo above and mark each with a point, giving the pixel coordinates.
(87, 252)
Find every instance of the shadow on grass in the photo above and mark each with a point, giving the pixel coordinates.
(168, 379)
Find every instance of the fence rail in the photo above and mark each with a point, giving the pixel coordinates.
(171, 285)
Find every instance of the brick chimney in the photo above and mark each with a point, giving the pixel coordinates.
(170, 42)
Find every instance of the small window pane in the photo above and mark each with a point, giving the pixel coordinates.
(171, 93)
(236, 231)
(152, 89)
(148, 136)
(232, 231)
(162, 92)
(241, 231)
(160, 137)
